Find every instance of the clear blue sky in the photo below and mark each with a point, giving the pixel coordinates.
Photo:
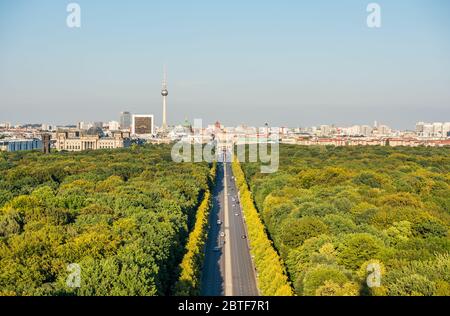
(289, 63)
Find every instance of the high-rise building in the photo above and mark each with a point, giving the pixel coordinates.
(446, 129)
(6, 125)
(437, 129)
(353, 130)
(84, 125)
(125, 120)
(113, 126)
(384, 130)
(142, 125)
(46, 142)
(164, 93)
(325, 130)
(46, 127)
(366, 130)
(427, 130)
(420, 128)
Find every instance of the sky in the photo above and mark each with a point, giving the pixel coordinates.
(284, 62)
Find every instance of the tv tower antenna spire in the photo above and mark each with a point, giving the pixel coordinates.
(164, 93)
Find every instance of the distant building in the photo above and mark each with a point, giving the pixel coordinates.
(143, 125)
(366, 130)
(5, 125)
(325, 130)
(383, 130)
(46, 143)
(436, 129)
(92, 139)
(84, 125)
(427, 130)
(12, 145)
(420, 128)
(446, 129)
(46, 127)
(125, 120)
(113, 126)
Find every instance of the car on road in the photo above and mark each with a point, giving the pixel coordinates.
(236, 214)
(219, 222)
(222, 234)
(244, 237)
(216, 249)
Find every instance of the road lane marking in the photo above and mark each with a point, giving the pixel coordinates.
(228, 270)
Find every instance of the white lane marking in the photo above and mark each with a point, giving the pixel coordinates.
(228, 275)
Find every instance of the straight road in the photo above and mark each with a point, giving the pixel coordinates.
(228, 267)
(213, 274)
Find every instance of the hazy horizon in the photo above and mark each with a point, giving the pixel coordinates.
(287, 63)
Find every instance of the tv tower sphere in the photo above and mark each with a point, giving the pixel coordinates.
(164, 93)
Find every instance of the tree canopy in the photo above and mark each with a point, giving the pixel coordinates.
(122, 215)
(331, 211)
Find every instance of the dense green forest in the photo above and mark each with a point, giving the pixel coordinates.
(122, 215)
(334, 212)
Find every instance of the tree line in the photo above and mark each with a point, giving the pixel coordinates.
(189, 282)
(340, 216)
(122, 215)
(271, 274)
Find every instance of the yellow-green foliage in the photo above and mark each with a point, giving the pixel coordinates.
(121, 215)
(272, 278)
(332, 211)
(188, 283)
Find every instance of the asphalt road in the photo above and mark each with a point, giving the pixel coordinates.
(213, 274)
(228, 271)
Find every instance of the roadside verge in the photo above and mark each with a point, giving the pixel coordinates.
(189, 282)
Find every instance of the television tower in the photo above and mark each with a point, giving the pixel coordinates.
(164, 93)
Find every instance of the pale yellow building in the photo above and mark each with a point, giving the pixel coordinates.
(92, 139)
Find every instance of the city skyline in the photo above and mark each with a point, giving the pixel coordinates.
(120, 124)
(288, 64)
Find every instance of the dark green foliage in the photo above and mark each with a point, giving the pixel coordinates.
(332, 210)
(295, 231)
(122, 215)
(430, 228)
(358, 248)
